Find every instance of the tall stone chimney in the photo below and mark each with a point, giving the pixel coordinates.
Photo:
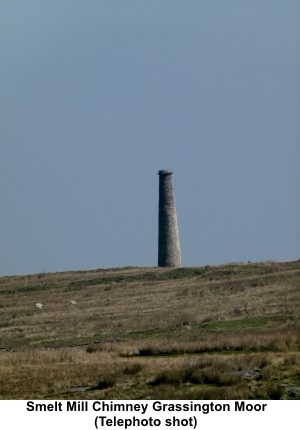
(168, 237)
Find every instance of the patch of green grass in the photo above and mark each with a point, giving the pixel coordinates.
(241, 324)
(160, 275)
(27, 289)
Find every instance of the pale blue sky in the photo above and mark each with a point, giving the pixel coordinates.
(97, 96)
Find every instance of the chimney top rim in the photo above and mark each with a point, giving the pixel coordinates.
(165, 172)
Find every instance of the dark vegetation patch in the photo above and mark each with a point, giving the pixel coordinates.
(104, 383)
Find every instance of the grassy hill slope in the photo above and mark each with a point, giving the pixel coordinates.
(152, 333)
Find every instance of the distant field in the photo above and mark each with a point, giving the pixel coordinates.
(219, 332)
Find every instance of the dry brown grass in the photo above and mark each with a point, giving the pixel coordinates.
(149, 333)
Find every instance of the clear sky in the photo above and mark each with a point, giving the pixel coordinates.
(98, 95)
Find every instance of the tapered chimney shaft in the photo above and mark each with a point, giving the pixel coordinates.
(168, 237)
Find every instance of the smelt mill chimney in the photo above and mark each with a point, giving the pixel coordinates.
(168, 237)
